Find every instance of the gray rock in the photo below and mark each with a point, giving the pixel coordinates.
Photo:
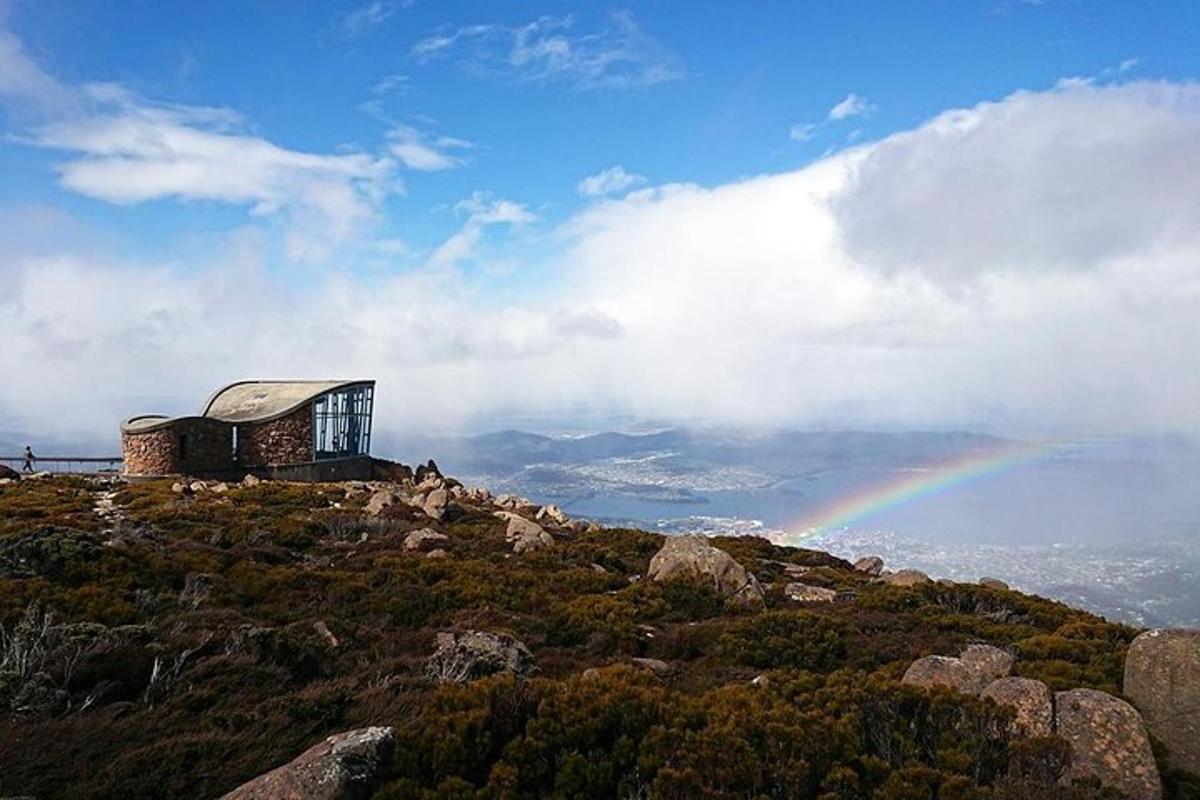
(905, 577)
(872, 565)
(992, 662)
(803, 593)
(946, 671)
(970, 673)
(436, 502)
(693, 557)
(462, 658)
(1108, 741)
(1030, 700)
(348, 766)
(437, 553)
(1162, 680)
(524, 535)
(327, 635)
(993, 583)
(658, 667)
(379, 501)
(552, 514)
(424, 539)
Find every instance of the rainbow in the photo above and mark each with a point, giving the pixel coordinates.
(910, 485)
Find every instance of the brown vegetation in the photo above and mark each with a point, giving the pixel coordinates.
(188, 686)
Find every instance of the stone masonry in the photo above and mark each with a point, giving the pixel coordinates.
(287, 440)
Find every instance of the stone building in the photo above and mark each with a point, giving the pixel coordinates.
(299, 430)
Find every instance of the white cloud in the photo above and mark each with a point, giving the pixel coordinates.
(852, 106)
(369, 16)
(23, 80)
(424, 151)
(125, 149)
(1040, 182)
(481, 210)
(802, 131)
(549, 49)
(609, 181)
(391, 84)
(130, 151)
(1029, 265)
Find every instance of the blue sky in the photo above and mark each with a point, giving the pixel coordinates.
(522, 177)
(734, 84)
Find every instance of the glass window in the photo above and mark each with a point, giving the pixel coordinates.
(342, 422)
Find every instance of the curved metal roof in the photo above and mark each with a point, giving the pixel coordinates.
(259, 401)
(248, 401)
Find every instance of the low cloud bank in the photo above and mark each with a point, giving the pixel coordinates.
(1026, 265)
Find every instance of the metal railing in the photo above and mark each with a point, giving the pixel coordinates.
(67, 465)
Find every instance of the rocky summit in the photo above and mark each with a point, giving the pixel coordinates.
(411, 637)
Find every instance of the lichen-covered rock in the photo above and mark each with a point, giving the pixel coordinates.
(1162, 679)
(905, 577)
(524, 535)
(992, 583)
(803, 593)
(424, 539)
(379, 501)
(991, 662)
(946, 671)
(464, 657)
(872, 565)
(693, 557)
(436, 502)
(654, 665)
(970, 673)
(1108, 741)
(348, 766)
(552, 513)
(1030, 700)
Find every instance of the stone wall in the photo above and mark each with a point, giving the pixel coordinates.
(151, 452)
(287, 440)
(207, 447)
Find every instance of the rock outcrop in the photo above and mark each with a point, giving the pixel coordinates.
(1162, 679)
(803, 593)
(8, 473)
(987, 660)
(970, 673)
(872, 565)
(905, 577)
(1108, 741)
(524, 535)
(436, 502)
(1030, 700)
(992, 583)
(425, 539)
(348, 766)
(693, 557)
(464, 657)
(553, 514)
(379, 501)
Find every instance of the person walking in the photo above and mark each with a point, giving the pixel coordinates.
(29, 459)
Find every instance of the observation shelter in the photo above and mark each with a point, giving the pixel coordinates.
(285, 430)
